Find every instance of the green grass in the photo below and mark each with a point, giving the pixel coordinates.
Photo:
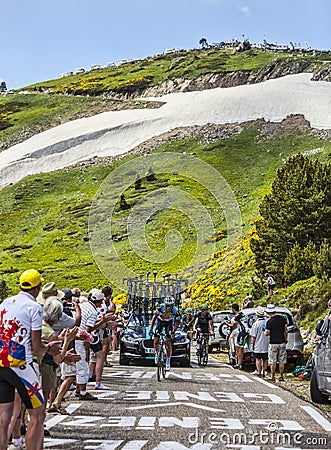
(20, 113)
(44, 217)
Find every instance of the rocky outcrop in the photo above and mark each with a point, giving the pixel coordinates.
(209, 133)
(323, 73)
(276, 69)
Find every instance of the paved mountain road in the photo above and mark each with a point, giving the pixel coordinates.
(216, 407)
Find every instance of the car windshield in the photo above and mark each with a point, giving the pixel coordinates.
(249, 319)
(220, 317)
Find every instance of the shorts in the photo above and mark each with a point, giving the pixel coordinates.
(68, 370)
(204, 328)
(106, 333)
(277, 353)
(263, 356)
(96, 347)
(271, 287)
(48, 376)
(82, 372)
(25, 380)
(242, 338)
(167, 325)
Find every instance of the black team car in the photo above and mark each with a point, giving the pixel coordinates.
(143, 298)
(137, 346)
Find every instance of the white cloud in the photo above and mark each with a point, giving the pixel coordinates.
(244, 9)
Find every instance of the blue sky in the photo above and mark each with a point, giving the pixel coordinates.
(41, 39)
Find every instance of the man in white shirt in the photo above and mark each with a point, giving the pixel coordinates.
(89, 315)
(20, 335)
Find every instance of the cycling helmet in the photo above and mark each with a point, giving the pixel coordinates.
(169, 301)
(95, 295)
(204, 307)
(188, 311)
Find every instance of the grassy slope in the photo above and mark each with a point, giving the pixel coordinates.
(44, 217)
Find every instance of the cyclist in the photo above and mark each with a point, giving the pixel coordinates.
(203, 323)
(187, 321)
(165, 317)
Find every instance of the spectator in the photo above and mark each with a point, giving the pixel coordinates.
(323, 326)
(88, 324)
(49, 290)
(51, 314)
(75, 294)
(97, 356)
(270, 283)
(20, 332)
(248, 301)
(112, 324)
(239, 328)
(260, 342)
(276, 328)
(284, 282)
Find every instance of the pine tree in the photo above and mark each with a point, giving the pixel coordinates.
(297, 211)
(322, 266)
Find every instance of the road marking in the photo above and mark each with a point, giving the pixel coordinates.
(272, 398)
(317, 417)
(59, 418)
(51, 442)
(162, 405)
(114, 444)
(266, 383)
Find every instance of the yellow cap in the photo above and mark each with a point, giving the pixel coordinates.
(30, 278)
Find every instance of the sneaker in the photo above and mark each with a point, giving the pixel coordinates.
(92, 379)
(101, 387)
(167, 364)
(87, 396)
(72, 387)
(107, 364)
(17, 444)
(239, 367)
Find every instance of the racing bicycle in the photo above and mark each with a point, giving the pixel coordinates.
(161, 353)
(202, 348)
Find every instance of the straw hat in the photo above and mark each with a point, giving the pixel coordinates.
(49, 290)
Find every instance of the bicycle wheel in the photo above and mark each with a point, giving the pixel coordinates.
(199, 355)
(159, 364)
(205, 354)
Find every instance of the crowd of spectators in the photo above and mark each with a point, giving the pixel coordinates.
(52, 341)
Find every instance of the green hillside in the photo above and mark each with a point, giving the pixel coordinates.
(44, 217)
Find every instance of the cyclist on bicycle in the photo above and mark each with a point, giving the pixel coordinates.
(203, 322)
(187, 321)
(166, 317)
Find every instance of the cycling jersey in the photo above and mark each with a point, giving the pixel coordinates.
(173, 315)
(165, 322)
(203, 322)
